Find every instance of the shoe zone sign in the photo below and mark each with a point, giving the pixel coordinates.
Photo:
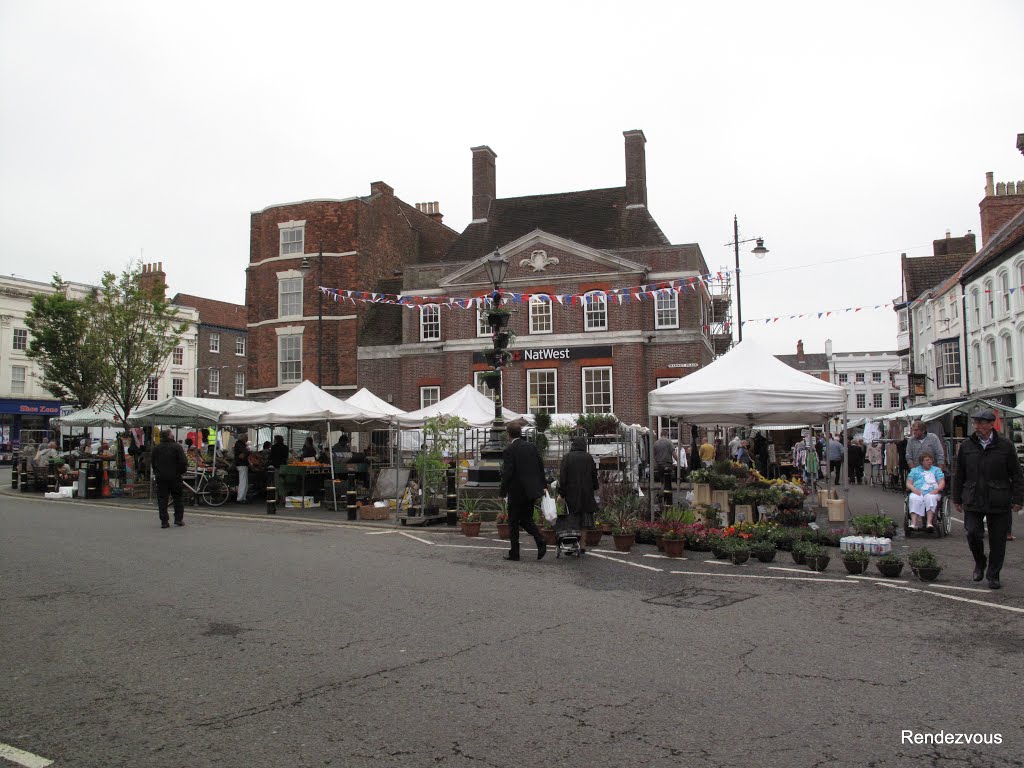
(553, 354)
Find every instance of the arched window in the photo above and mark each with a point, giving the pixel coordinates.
(990, 301)
(976, 359)
(1020, 284)
(595, 311)
(1004, 293)
(1006, 341)
(993, 359)
(976, 306)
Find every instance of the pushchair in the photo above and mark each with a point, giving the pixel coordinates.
(567, 537)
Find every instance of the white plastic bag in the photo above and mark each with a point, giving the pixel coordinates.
(547, 508)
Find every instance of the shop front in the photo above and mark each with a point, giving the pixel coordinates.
(24, 421)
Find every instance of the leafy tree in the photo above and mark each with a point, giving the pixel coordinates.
(64, 344)
(136, 330)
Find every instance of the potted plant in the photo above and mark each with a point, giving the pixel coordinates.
(890, 566)
(816, 557)
(624, 529)
(719, 546)
(648, 532)
(469, 519)
(498, 317)
(856, 561)
(541, 423)
(504, 339)
(501, 520)
(873, 525)
(673, 540)
(492, 379)
(763, 551)
(799, 551)
(496, 358)
(737, 551)
(924, 564)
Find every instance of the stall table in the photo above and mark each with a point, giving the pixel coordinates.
(298, 476)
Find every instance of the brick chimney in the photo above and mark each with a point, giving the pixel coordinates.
(433, 210)
(1001, 203)
(800, 357)
(955, 246)
(380, 188)
(153, 278)
(636, 168)
(485, 185)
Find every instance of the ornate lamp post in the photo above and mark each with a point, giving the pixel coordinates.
(759, 251)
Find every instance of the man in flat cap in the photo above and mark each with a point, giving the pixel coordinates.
(987, 484)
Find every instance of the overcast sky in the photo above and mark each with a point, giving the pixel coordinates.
(842, 134)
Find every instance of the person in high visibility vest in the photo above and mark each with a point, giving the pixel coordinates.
(211, 439)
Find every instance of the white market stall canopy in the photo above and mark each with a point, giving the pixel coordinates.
(468, 403)
(748, 386)
(304, 404)
(365, 400)
(188, 411)
(932, 412)
(94, 416)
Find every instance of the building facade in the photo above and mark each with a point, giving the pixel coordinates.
(873, 381)
(594, 288)
(294, 331)
(222, 347)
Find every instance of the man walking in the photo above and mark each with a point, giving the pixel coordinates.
(835, 457)
(169, 464)
(707, 453)
(523, 482)
(987, 485)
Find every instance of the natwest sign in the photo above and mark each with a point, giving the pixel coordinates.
(554, 354)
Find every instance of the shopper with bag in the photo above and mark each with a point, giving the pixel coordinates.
(577, 484)
(523, 483)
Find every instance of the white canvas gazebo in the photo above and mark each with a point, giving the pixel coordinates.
(468, 404)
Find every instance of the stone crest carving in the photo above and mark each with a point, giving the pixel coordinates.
(539, 260)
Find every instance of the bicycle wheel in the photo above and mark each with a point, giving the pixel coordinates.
(215, 492)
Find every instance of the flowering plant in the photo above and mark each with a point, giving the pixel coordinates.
(732, 532)
(647, 532)
(467, 516)
(673, 531)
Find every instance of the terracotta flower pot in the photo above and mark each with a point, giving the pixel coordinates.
(504, 530)
(549, 536)
(471, 529)
(673, 547)
(661, 543)
(623, 541)
(594, 536)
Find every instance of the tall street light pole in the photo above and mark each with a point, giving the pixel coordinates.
(759, 250)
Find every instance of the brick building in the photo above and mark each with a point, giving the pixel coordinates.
(222, 362)
(594, 355)
(364, 241)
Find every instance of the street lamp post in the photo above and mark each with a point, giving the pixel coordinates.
(497, 267)
(304, 268)
(759, 251)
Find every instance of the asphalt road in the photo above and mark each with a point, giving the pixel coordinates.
(270, 642)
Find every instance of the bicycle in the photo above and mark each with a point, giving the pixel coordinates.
(209, 487)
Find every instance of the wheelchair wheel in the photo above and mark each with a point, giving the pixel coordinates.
(945, 526)
(907, 530)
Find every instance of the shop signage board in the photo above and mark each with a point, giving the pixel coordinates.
(552, 354)
(31, 407)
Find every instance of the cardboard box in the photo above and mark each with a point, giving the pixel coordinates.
(744, 513)
(374, 512)
(837, 510)
(299, 502)
(701, 493)
(822, 498)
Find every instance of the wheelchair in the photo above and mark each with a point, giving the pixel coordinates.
(943, 518)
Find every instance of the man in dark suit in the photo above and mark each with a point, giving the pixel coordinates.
(169, 464)
(523, 482)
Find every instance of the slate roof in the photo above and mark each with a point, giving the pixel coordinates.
(598, 218)
(923, 273)
(213, 312)
(816, 361)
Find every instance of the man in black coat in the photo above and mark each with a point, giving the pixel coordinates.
(169, 464)
(577, 484)
(523, 482)
(988, 484)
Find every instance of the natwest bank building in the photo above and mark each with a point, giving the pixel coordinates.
(604, 307)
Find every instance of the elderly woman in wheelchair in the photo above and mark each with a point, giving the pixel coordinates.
(925, 483)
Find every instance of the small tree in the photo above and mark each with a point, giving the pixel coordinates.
(64, 343)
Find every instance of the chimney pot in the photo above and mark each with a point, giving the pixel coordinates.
(989, 188)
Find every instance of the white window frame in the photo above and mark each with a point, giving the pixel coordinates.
(595, 311)
(993, 358)
(948, 358)
(902, 319)
(215, 343)
(177, 387)
(483, 389)
(978, 366)
(531, 386)
(213, 382)
(239, 383)
(894, 399)
(288, 243)
(976, 304)
(291, 341)
(19, 379)
(876, 377)
(542, 314)
(429, 395)
(672, 425)
(588, 407)
(178, 356)
(1007, 343)
(483, 328)
(1019, 288)
(290, 296)
(430, 322)
(1004, 293)
(844, 378)
(858, 377)
(876, 400)
(240, 346)
(954, 311)
(22, 334)
(666, 309)
(990, 301)
(153, 389)
(862, 400)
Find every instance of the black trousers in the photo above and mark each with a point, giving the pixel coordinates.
(998, 527)
(520, 515)
(172, 488)
(836, 468)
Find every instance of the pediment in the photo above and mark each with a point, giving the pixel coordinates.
(541, 256)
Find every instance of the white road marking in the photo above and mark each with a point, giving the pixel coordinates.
(471, 546)
(591, 553)
(417, 538)
(876, 579)
(957, 519)
(955, 597)
(21, 757)
(666, 557)
(712, 561)
(821, 580)
(962, 589)
(804, 571)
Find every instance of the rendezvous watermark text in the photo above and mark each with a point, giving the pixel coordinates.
(947, 737)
